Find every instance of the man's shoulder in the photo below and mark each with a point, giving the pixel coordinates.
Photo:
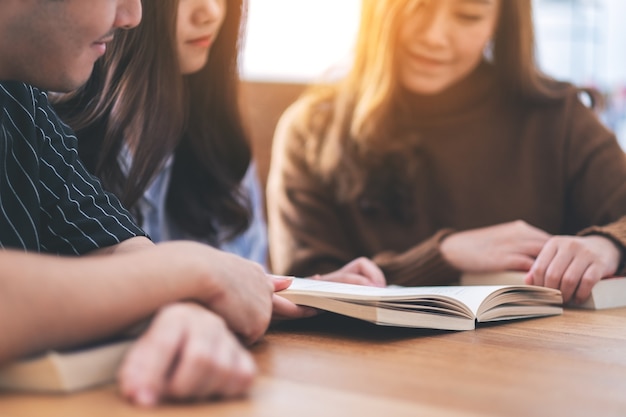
(18, 96)
(25, 115)
(17, 88)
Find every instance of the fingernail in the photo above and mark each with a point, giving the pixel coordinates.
(282, 277)
(310, 312)
(146, 398)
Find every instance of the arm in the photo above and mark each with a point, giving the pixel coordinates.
(305, 233)
(51, 302)
(575, 264)
(595, 173)
(127, 246)
(507, 246)
(592, 179)
(186, 353)
(189, 353)
(596, 183)
(308, 235)
(440, 259)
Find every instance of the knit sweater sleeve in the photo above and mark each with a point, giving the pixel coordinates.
(615, 232)
(304, 228)
(307, 227)
(595, 171)
(422, 264)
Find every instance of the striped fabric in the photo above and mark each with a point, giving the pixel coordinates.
(48, 201)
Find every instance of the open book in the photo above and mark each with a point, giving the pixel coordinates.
(446, 308)
(60, 372)
(607, 293)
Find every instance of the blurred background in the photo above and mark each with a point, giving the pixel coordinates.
(299, 41)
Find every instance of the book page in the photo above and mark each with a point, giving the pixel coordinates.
(471, 297)
(607, 293)
(493, 278)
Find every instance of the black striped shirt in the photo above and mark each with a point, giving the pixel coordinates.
(48, 200)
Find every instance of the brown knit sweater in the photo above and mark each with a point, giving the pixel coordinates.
(482, 159)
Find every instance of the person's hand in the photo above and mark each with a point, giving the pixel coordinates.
(283, 309)
(360, 271)
(574, 265)
(507, 246)
(187, 353)
(236, 289)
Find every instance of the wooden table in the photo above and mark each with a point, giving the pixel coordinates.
(569, 365)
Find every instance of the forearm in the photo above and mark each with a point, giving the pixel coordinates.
(52, 302)
(127, 246)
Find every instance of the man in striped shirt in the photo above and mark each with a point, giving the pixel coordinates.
(51, 210)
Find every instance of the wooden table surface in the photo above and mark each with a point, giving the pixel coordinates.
(569, 365)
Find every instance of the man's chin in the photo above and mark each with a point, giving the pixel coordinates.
(71, 81)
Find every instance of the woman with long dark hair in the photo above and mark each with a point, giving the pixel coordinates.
(445, 150)
(159, 124)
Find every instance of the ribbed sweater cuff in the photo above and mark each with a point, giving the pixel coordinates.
(616, 232)
(421, 265)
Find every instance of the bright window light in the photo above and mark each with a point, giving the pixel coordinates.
(298, 40)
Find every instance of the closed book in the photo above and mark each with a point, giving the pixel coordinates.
(65, 371)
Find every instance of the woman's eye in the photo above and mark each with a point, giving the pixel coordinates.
(469, 17)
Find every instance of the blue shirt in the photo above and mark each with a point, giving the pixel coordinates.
(48, 200)
(251, 244)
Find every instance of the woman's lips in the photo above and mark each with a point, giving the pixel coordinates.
(202, 42)
(424, 60)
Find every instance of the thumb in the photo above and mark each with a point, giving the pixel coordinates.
(280, 282)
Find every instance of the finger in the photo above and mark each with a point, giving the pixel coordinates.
(530, 248)
(224, 373)
(515, 262)
(143, 374)
(240, 378)
(280, 282)
(540, 266)
(528, 278)
(196, 367)
(370, 270)
(203, 361)
(604, 252)
(592, 275)
(285, 309)
(556, 270)
(346, 278)
(572, 277)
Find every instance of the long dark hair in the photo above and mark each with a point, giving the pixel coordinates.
(137, 96)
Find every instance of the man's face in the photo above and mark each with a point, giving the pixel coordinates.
(53, 44)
